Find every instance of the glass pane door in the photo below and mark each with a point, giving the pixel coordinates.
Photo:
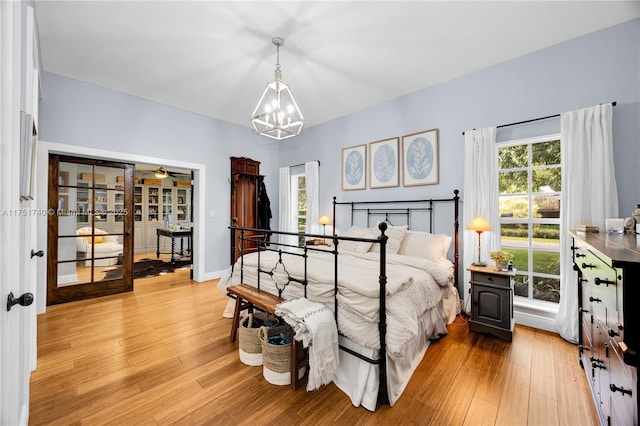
(90, 234)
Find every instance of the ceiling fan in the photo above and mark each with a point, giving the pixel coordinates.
(162, 173)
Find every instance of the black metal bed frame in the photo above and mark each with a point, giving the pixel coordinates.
(260, 236)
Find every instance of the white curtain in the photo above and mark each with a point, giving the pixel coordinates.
(589, 195)
(480, 196)
(286, 221)
(312, 180)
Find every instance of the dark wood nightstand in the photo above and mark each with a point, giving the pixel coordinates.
(492, 301)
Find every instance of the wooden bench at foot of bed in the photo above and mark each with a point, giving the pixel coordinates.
(267, 302)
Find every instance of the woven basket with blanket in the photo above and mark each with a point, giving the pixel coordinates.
(276, 354)
(248, 336)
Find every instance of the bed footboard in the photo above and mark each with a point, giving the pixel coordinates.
(263, 245)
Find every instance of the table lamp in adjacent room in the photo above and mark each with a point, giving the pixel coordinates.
(480, 225)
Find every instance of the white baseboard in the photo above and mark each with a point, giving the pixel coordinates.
(535, 317)
(212, 275)
(535, 321)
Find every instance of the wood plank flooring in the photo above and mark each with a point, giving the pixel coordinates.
(161, 355)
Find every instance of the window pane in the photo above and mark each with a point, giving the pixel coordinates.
(521, 286)
(512, 157)
(514, 206)
(547, 206)
(546, 289)
(545, 153)
(510, 232)
(546, 262)
(546, 180)
(520, 259)
(546, 236)
(513, 182)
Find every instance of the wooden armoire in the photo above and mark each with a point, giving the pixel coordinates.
(245, 182)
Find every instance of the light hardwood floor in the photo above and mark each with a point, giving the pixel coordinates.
(161, 355)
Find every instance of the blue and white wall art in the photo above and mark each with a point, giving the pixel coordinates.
(354, 164)
(384, 165)
(420, 158)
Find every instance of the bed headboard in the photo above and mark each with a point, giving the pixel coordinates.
(407, 212)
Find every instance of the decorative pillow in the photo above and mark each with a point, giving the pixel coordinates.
(357, 232)
(395, 234)
(423, 244)
(87, 236)
(356, 246)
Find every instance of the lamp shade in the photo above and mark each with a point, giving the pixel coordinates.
(324, 220)
(479, 224)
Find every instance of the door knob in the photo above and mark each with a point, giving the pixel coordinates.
(24, 300)
(38, 253)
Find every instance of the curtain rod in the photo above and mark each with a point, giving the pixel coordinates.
(532, 120)
(302, 164)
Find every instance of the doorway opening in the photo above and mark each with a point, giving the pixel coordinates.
(163, 220)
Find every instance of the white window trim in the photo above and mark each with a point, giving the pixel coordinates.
(527, 311)
(294, 197)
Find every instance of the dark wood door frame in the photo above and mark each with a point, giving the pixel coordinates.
(57, 294)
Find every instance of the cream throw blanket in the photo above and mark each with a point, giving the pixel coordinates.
(315, 326)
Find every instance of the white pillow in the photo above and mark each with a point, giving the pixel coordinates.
(395, 234)
(356, 246)
(423, 244)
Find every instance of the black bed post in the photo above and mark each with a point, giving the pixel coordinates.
(383, 395)
(456, 226)
(333, 218)
(233, 227)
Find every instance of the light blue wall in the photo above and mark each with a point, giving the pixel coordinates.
(597, 68)
(81, 114)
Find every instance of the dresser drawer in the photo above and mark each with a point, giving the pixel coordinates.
(621, 387)
(493, 279)
(592, 266)
(587, 331)
(601, 280)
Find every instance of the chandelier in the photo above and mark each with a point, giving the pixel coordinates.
(277, 115)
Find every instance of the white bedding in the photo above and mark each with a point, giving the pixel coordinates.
(414, 286)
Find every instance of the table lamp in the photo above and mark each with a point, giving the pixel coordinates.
(480, 225)
(324, 221)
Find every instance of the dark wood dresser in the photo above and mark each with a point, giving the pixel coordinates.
(608, 268)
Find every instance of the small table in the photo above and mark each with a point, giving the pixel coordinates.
(492, 301)
(173, 234)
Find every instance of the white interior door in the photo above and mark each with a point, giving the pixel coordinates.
(17, 219)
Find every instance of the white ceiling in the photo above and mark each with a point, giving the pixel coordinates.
(215, 57)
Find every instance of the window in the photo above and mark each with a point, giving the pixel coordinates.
(299, 203)
(529, 185)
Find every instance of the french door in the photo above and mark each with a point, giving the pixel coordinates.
(90, 228)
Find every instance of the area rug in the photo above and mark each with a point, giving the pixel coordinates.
(145, 268)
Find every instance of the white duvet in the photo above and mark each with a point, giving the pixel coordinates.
(414, 285)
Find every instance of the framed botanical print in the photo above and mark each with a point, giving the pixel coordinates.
(383, 163)
(420, 158)
(354, 164)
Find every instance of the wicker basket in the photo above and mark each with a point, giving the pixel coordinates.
(248, 336)
(276, 359)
